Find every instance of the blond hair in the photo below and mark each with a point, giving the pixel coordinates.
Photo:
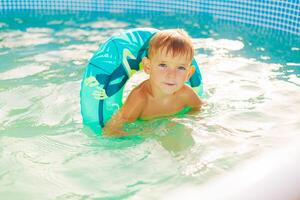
(175, 41)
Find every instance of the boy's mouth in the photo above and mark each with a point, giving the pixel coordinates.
(170, 84)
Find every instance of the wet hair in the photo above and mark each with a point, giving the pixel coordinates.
(175, 41)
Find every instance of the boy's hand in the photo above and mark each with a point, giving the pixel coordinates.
(114, 127)
(107, 132)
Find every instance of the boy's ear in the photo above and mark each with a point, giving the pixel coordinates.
(146, 64)
(191, 72)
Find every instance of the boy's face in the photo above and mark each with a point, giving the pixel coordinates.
(168, 73)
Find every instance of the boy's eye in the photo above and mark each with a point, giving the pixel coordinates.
(162, 65)
(181, 68)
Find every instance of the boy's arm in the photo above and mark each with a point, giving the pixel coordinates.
(129, 112)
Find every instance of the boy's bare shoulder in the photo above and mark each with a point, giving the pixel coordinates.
(134, 104)
(137, 98)
(139, 93)
(189, 96)
(187, 91)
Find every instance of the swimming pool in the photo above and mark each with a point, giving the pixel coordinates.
(248, 52)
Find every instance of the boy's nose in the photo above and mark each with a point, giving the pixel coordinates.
(171, 73)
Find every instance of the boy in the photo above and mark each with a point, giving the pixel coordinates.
(165, 93)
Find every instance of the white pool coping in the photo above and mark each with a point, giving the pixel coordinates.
(275, 175)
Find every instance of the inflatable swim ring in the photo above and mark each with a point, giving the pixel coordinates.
(109, 69)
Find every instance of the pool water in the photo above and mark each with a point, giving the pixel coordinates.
(251, 82)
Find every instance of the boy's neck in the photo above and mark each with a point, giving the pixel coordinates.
(155, 93)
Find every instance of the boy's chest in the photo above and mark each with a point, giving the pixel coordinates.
(159, 109)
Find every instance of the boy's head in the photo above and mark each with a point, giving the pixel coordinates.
(174, 41)
(169, 60)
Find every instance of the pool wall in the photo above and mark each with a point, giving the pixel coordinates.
(274, 175)
(283, 15)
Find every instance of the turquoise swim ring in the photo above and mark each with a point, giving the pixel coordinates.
(109, 69)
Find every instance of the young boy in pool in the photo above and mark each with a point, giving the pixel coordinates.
(165, 93)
